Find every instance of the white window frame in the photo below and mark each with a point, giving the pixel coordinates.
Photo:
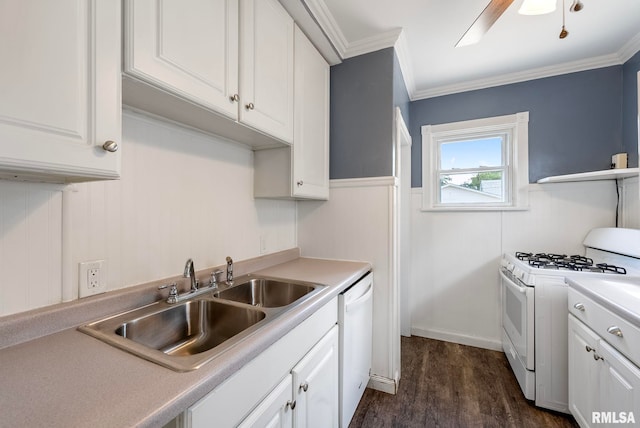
(516, 155)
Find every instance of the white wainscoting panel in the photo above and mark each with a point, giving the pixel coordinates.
(182, 195)
(455, 289)
(30, 245)
(356, 224)
(630, 213)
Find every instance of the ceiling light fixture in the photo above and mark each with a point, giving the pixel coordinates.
(537, 7)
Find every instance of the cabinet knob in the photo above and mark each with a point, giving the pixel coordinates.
(235, 98)
(291, 404)
(589, 348)
(579, 306)
(615, 330)
(304, 386)
(110, 146)
(597, 357)
(250, 106)
(300, 183)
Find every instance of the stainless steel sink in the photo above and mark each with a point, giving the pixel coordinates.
(267, 292)
(190, 328)
(182, 336)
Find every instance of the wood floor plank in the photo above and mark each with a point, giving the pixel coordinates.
(449, 385)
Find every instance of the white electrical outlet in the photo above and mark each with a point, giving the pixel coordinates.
(92, 278)
(263, 244)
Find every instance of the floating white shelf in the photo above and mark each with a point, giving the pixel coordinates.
(608, 174)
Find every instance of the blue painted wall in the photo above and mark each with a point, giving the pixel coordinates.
(362, 97)
(630, 108)
(575, 120)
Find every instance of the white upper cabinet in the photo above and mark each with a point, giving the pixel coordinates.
(266, 72)
(191, 50)
(223, 66)
(60, 89)
(311, 137)
(302, 170)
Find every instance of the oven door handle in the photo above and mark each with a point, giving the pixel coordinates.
(512, 284)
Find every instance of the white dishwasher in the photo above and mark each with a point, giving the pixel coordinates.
(355, 317)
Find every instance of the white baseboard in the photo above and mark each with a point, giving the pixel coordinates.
(384, 384)
(478, 342)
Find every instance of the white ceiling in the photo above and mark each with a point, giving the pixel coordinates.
(516, 48)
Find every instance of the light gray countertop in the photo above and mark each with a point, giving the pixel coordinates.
(69, 379)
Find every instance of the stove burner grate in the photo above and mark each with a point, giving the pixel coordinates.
(562, 261)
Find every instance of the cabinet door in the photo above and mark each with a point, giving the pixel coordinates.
(266, 68)
(311, 130)
(275, 410)
(583, 371)
(620, 384)
(315, 383)
(191, 51)
(60, 88)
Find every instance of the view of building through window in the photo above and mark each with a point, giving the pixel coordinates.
(472, 170)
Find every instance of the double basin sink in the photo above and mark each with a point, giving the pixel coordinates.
(184, 336)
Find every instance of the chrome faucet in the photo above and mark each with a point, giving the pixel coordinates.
(189, 272)
(229, 270)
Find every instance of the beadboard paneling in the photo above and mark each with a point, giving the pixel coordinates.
(30, 245)
(183, 194)
(356, 224)
(455, 288)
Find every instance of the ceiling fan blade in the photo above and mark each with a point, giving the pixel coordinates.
(483, 22)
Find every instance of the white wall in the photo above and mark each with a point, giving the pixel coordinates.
(182, 194)
(455, 292)
(357, 224)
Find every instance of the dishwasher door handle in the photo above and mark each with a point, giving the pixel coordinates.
(351, 306)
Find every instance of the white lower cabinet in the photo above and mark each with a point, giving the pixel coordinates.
(275, 411)
(294, 382)
(604, 386)
(315, 385)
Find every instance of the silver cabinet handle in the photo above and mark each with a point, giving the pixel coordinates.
(597, 357)
(291, 404)
(579, 306)
(110, 146)
(300, 183)
(589, 348)
(304, 386)
(250, 106)
(235, 98)
(615, 330)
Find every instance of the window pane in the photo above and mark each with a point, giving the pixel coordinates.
(481, 152)
(478, 188)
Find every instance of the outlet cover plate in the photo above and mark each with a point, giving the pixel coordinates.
(92, 278)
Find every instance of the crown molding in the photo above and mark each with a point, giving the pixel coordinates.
(328, 24)
(374, 43)
(406, 65)
(630, 48)
(506, 79)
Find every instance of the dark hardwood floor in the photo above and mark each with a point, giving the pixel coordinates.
(448, 385)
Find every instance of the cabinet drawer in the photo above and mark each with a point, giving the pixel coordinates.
(606, 324)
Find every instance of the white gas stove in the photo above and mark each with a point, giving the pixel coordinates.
(534, 307)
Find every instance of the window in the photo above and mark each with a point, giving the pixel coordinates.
(476, 165)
